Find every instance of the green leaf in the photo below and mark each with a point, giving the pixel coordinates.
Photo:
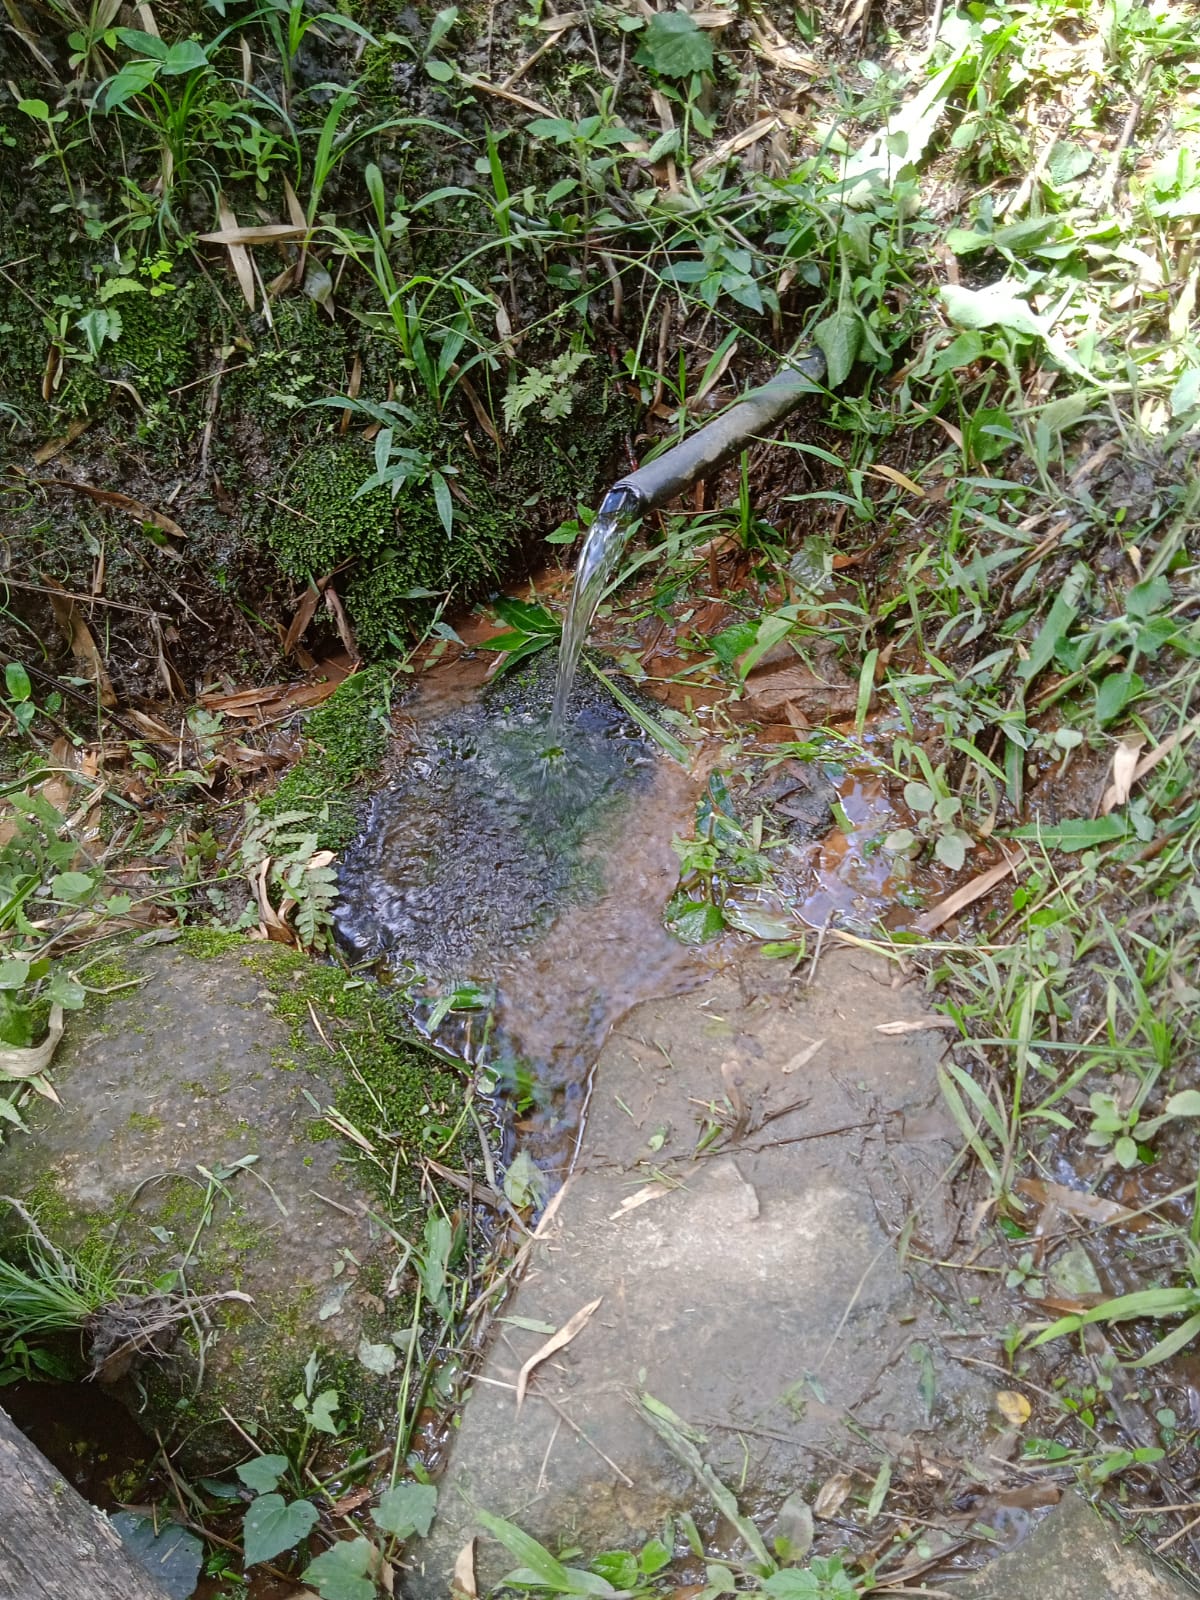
(1114, 692)
(695, 921)
(186, 56)
(320, 1416)
(997, 306)
(263, 1473)
(1051, 636)
(951, 851)
(377, 1358)
(407, 1509)
(525, 615)
(839, 337)
(525, 1183)
(1184, 1104)
(340, 1573)
(71, 886)
(440, 71)
(918, 796)
(37, 109)
(171, 1554)
(537, 1561)
(443, 500)
(273, 1526)
(1079, 833)
(16, 681)
(142, 43)
(674, 47)
(14, 972)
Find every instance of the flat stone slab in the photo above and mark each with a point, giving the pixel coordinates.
(1074, 1554)
(184, 1138)
(755, 1290)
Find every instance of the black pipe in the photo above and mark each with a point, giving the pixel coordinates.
(718, 441)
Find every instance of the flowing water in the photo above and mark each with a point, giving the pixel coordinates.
(523, 887)
(605, 540)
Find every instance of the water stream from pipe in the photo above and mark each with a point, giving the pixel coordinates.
(605, 540)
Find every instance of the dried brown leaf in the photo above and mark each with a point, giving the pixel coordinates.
(556, 1342)
(631, 1202)
(16, 1062)
(304, 615)
(916, 1025)
(1149, 761)
(831, 1495)
(238, 258)
(118, 502)
(81, 642)
(463, 1585)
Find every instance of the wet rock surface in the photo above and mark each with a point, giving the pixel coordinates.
(1074, 1554)
(756, 1291)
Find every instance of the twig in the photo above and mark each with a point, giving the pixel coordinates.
(1108, 187)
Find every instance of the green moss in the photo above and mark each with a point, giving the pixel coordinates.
(139, 1121)
(207, 943)
(403, 1097)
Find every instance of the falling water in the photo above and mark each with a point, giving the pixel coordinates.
(604, 543)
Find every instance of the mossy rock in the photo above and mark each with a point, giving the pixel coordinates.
(191, 1137)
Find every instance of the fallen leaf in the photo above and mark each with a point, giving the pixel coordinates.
(309, 601)
(238, 258)
(234, 236)
(916, 1025)
(342, 621)
(832, 1495)
(559, 1341)
(81, 642)
(893, 475)
(55, 447)
(463, 1585)
(1124, 765)
(1079, 1203)
(929, 921)
(650, 1191)
(1013, 1407)
(118, 502)
(802, 1057)
(16, 1062)
(778, 688)
(1149, 761)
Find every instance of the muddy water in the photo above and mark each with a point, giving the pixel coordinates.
(525, 882)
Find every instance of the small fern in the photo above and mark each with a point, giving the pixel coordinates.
(549, 388)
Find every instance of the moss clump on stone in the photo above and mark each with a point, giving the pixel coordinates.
(401, 1095)
(346, 739)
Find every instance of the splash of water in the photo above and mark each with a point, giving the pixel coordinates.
(604, 543)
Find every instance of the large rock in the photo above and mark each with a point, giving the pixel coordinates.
(1074, 1554)
(190, 1136)
(758, 1293)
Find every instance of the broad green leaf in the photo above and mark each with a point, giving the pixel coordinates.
(951, 851)
(525, 1183)
(839, 337)
(695, 921)
(440, 71)
(918, 796)
(142, 43)
(1079, 833)
(1051, 636)
(377, 1358)
(407, 1509)
(171, 1554)
(274, 1525)
(14, 972)
(71, 886)
(186, 56)
(263, 1473)
(16, 681)
(1184, 1104)
(526, 615)
(340, 1573)
(321, 1414)
(37, 109)
(997, 306)
(1114, 692)
(674, 47)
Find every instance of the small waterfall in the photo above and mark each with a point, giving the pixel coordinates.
(605, 540)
